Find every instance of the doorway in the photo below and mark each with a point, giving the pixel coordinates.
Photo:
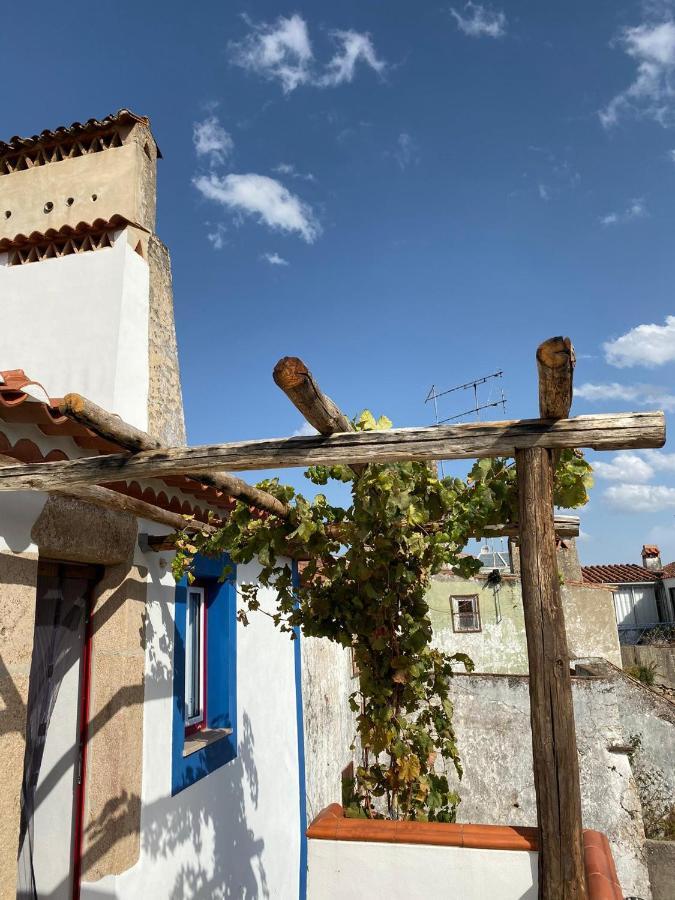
(53, 779)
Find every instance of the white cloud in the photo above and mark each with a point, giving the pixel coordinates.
(263, 197)
(217, 237)
(636, 209)
(480, 21)
(305, 430)
(274, 259)
(642, 394)
(543, 192)
(645, 345)
(657, 459)
(289, 169)
(282, 51)
(211, 140)
(354, 47)
(626, 467)
(406, 150)
(651, 93)
(640, 497)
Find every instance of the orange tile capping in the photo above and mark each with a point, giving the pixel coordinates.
(332, 825)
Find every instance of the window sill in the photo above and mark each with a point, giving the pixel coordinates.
(204, 738)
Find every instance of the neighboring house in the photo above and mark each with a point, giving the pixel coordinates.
(483, 616)
(150, 747)
(644, 595)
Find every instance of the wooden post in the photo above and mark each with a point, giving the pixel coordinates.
(554, 747)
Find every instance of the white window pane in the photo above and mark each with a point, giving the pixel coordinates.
(193, 655)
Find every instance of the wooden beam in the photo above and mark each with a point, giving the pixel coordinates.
(555, 365)
(297, 382)
(554, 747)
(620, 431)
(116, 430)
(322, 413)
(109, 499)
(565, 527)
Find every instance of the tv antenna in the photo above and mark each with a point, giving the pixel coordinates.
(491, 380)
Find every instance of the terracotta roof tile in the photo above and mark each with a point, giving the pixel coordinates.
(64, 132)
(53, 234)
(618, 573)
(668, 571)
(20, 408)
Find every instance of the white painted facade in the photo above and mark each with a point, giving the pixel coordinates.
(80, 323)
(237, 831)
(352, 870)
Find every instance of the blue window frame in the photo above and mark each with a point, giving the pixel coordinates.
(220, 672)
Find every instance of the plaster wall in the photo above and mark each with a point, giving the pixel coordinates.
(492, 722)
(18, 579)
(351, 870)
(501, 645)
(236, 832)
(80, 323)
(112, 176)
(663, 658)
(330, 725)
(648, 723)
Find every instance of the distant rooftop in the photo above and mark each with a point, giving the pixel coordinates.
(619, 573)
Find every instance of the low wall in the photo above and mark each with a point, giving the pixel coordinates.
(662, 658)
(661, 859)
(492, 722)
(354, 858)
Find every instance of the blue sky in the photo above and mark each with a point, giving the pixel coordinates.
(401, 194)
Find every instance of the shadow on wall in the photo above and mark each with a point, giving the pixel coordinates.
(222, 857)
(201, 834)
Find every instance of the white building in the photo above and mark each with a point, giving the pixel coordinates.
(150, 747)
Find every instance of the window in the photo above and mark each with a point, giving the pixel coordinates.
(204, 731)
(465, 613)
(195, 660)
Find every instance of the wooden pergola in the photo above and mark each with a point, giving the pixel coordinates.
(535, 444)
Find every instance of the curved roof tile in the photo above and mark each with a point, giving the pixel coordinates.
(63, 132)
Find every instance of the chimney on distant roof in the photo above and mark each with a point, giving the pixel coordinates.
(651, 557)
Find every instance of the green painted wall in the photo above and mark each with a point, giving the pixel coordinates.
(500, 646)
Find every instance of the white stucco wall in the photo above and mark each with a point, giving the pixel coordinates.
(236, 832)
(80, 323)
(352, 870)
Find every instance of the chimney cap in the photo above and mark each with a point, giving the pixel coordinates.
(650, 551)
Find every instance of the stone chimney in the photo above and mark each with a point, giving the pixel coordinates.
(83, 276)
(651, 557)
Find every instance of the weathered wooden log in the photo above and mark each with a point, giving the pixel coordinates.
(473, 440)
(565, 527)
(322, 413)
(109, 499)
(112, 428)
(554, 751)
(106, 424)
(554, 745)
(555, 365)
(297, 382)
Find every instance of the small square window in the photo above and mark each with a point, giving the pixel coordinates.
(195, 660)
(465, 613)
